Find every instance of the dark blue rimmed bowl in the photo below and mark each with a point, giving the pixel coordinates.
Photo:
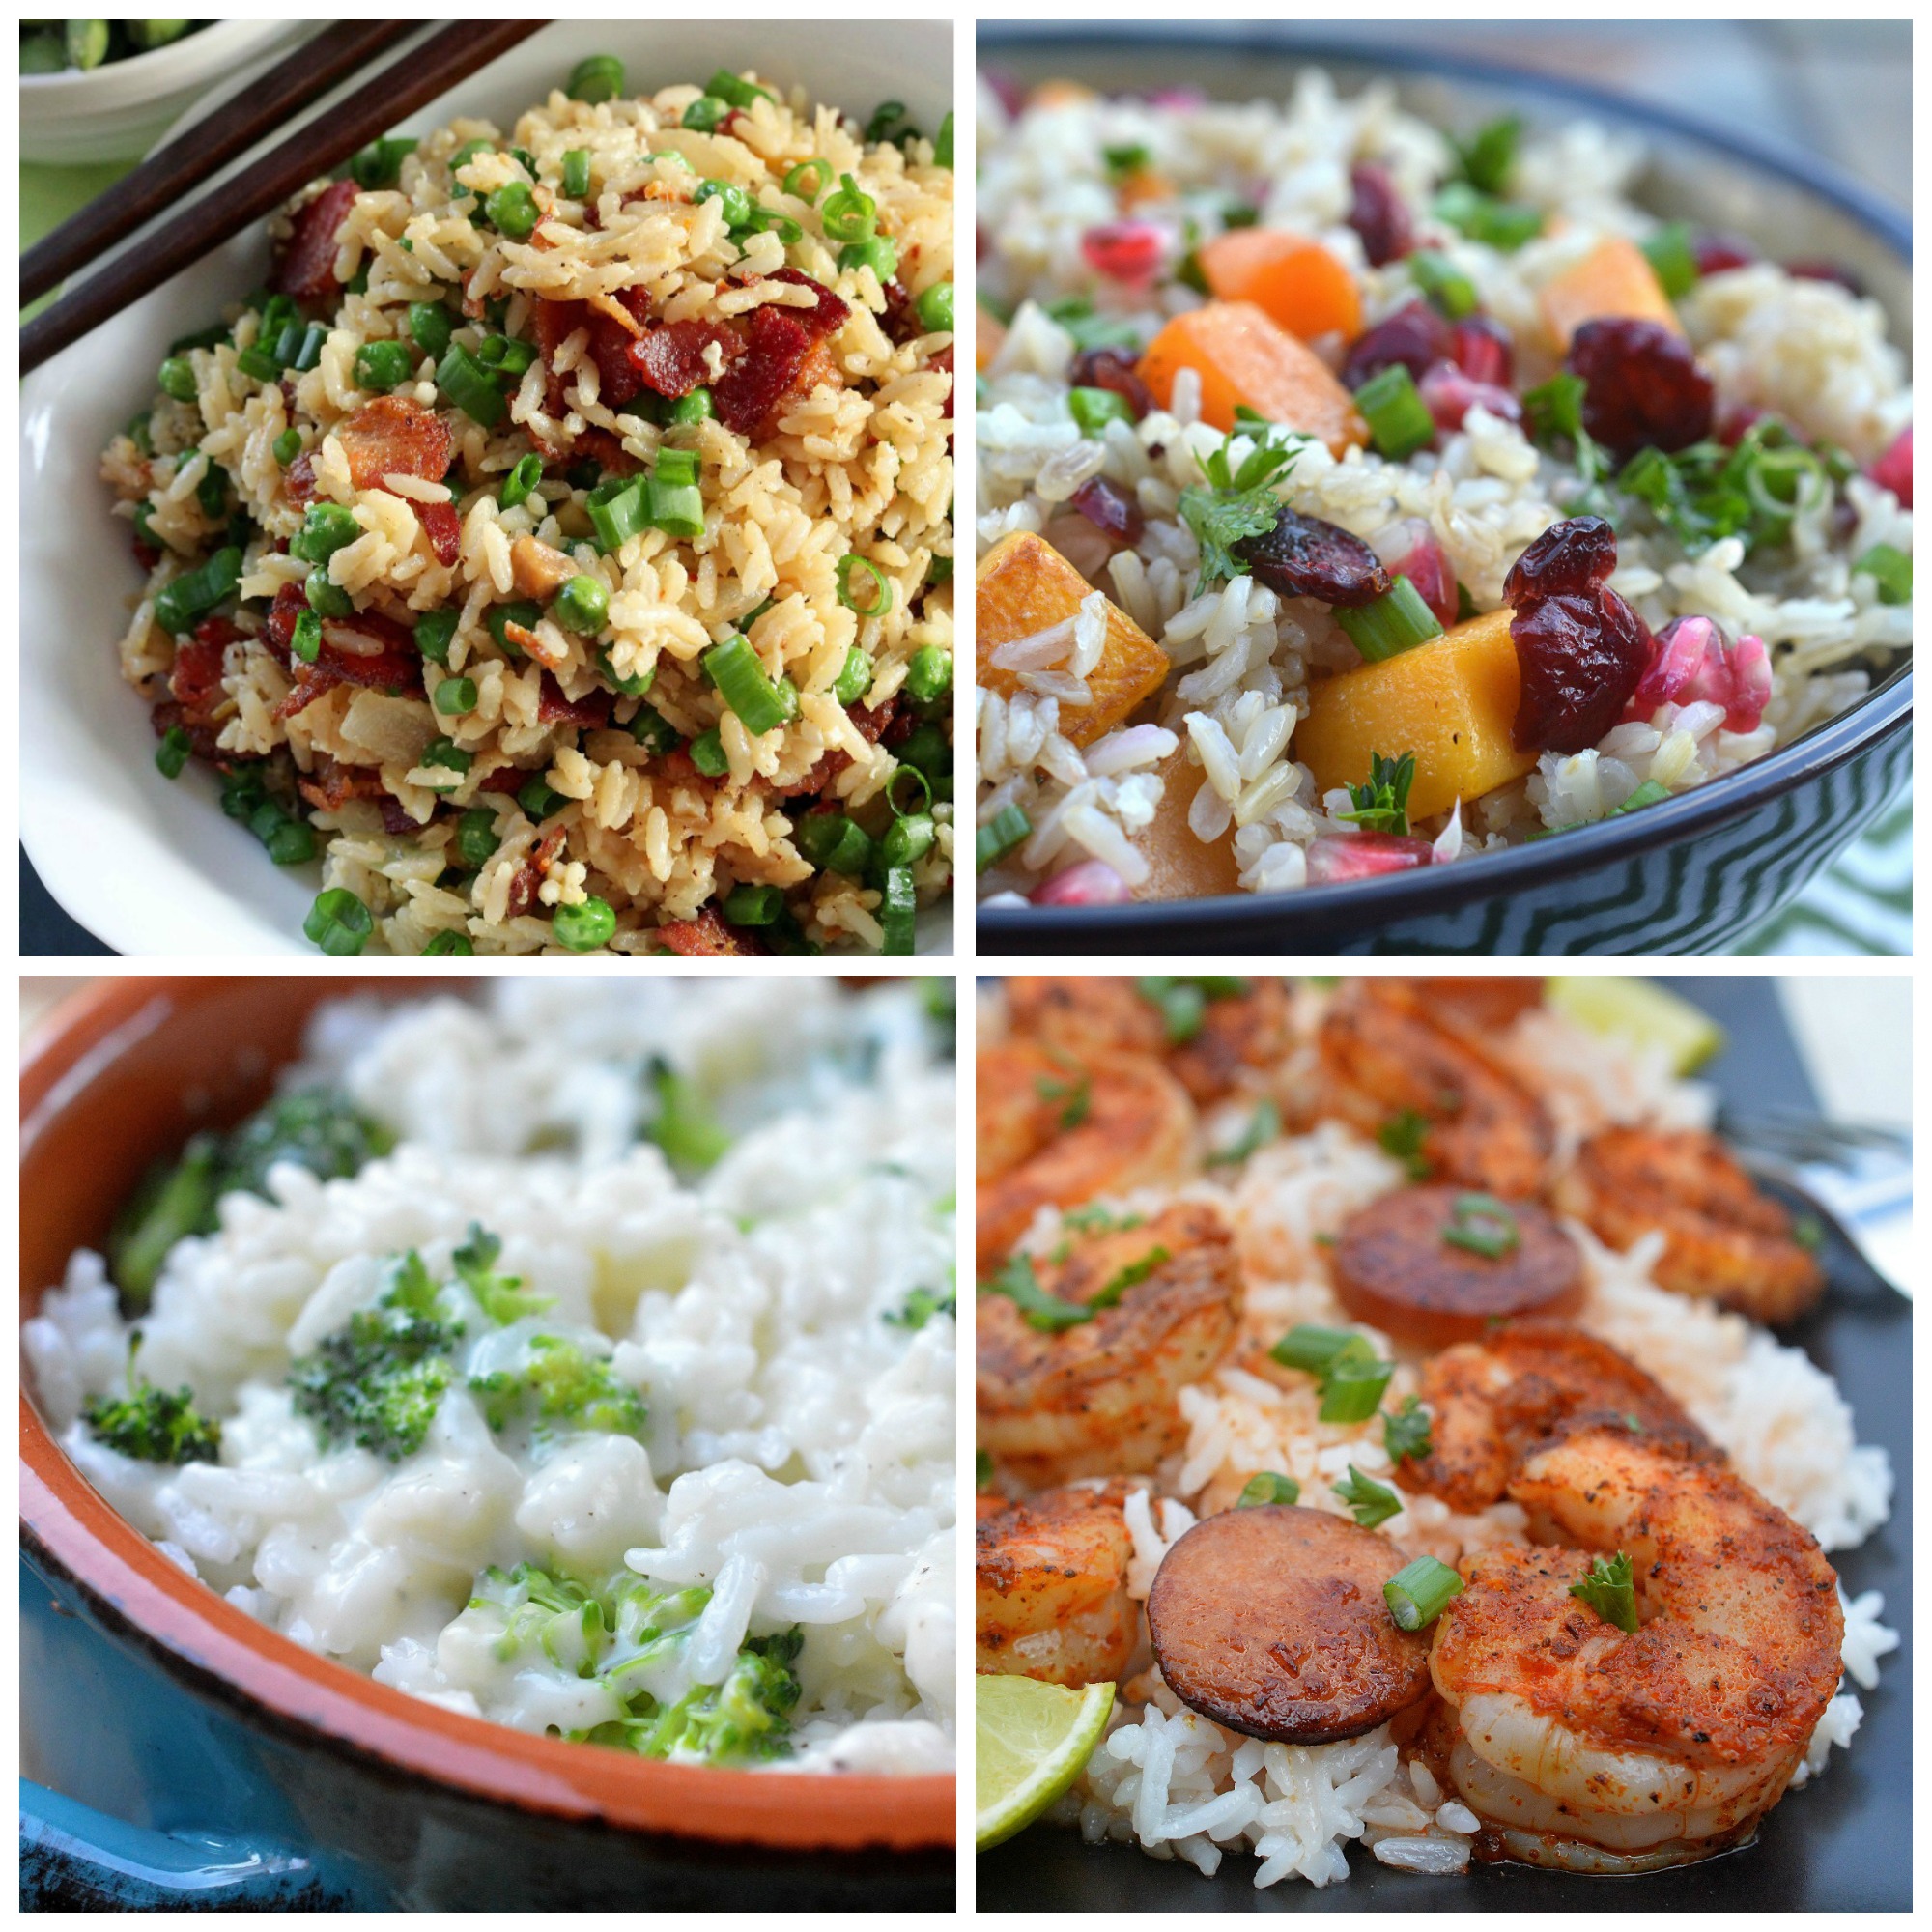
(1693, 874)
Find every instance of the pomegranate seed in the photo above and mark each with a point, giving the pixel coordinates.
(1696, 662)
(1483, 349)
(1893, 469)
(1415, 336)
(1006, 90)
(1426, 564)
(1124, 251)
(1715, 253)
(1379, 215)
(1826, 272)
(1337, 856)
(1108, 506)
(1090, 883)
(1113, 369)
(1450, 395)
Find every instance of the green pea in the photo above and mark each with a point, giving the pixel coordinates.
(176, 379)
(381, 366)
(583, 928)
(704, 113)
(513, 211)
(734, 203)
(326, 599)
(934, 307)
(288, 447)
(695, 407)
(707, 753)
(582, 605)
(449, 945)
(599, 78)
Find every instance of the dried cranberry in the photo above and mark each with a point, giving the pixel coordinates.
(1581, 659)
(1643, 387)
(1570, 558)
(1715, 253)
(1483, 349)
(1092, 883)
(1008, 89)
(1364, 855)
(1893, 469)
(1415, 336)
(1449, 395)
(1426, 564)
(1379, 215)
(1826, 272)
(1124, 251)
(1109, 507)
(1302, 557)
(1113, 369)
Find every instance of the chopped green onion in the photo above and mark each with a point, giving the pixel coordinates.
(1392, 624)
(877, 252)
(520, 481)
(430, 327)
(576, 172)
(258, 362)
(942, 142)
(476, 838)
(1264, 1126)
(1369, 1503)
(1503, 225)
(1480, 1224)
(1609, 1589)
(909, 837)
(934, 307)
(632, 687)
(196, 593)
(434, 632)
(1397, 416)
(880, 603)
(1649, 792)
(598, 79)
(807, 180)
(171, 755)
(287, 446)
(618, 509)
(655, 732)
(381, 366)
(1404, 1136)
(1008, 828)
(470, 386)
(850, 215)
(507, 355)
(733, 667)
(855, 678)
(1489, 157)
(674, 500)
(1351, 1389)
(140, 431)
(583, 927)
(724, 85)
(1890, 569)
(1095, 409)
(940, 571)
(1406, 1430)
(455, 695)
(582, 605)
(1667, 249)
(1445, 285)
(446, 754)
(309, 354)
(752, 905)
(898, 907)
(1268, 1487)
(339, 923)
(708, 754)
(449, 945)
(378, 165)
(1419, 1592)
(1310, 1348)
(537, 800)
(305, 640)
(833, 843)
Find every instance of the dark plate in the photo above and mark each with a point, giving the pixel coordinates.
(1698, 872)
(1842, 1845)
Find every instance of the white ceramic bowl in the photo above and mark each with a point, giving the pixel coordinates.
(150, 866)
(118, 112)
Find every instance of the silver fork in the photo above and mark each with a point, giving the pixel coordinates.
(1853, 1176)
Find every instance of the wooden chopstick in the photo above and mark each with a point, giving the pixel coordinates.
(172, 173)
(432, 68)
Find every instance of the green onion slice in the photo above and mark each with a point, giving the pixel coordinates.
(1419, 1592)
(1268, 1487)
(1480, 1224)
(1392, 624)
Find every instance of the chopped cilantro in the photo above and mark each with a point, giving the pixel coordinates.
(1405, 1136)
(1610, 1590)
(1370, 1502)
(1076, 1095)
(1406, 1429)
(920, 1306)
(1264, 1126)
(1383, 804)
(1235, 504)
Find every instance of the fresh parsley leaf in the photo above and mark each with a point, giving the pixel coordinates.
(1077, 315)
(1128, 159)
(1405, 1136)
(1264, 1126)
(1370, 1502)
(920, 1306)
(1130, 1276)
(1383, 804)
(1487, 158)
(1235, 504)
(1048, 1312)
(1610, 1590)
(1078, 1095)
(1556, 409)
(1406, 1429)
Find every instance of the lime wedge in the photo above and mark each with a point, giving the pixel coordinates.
(1032, 1740)
(1642, 1012)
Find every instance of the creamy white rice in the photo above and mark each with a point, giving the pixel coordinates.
(797, 1459)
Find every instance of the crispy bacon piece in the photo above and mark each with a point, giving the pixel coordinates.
(505, 778)
(395, 668)
(195, 681)
(332, 784)
(589, 713)
(751, 390)
(899, 321)
(552, 325)
(598, 446)
(872, 725)
(389, 437)
(443, 528)
(670, 357)
(705, 937)
(202, 738)
(305, 269)
(530, 874)
(618, 379)
(827, 314)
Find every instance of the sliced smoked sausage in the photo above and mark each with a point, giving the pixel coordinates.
(1398, 1269)
(1270, 1620)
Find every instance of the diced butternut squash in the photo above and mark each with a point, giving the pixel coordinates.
(1179, 866)
(1614, 278)
(1244, 359)
(1060, 94)
(1024, 586)
(1295, 281)
(1142, 185)
(989, 336)
(1452, 701)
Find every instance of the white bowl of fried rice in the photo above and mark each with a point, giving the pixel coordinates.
(1197, 733)
(628, 826)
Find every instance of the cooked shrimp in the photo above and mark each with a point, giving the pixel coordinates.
(1101, 1398)
(1723, 1238)
(1052, 1586)
(1054, 1134)
(1595, 1749)
(1388, 1064)
(1241, 1033)
(1492, 1403)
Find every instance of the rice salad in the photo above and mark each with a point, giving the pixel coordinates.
(1170, 1780)
(593, 1401)
(559, 548)
(1420, 355)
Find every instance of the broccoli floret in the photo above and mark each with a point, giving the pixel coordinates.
(555, 1615)
(153, 1425)
(684, 1127)
(317, 1129)
(748, 1715)
(502, 1296)
(560, 1386)
(378, 1379)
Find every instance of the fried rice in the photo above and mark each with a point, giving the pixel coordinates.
(1204, 784)
(545, 456)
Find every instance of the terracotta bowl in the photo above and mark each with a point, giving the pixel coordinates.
(118, 1077)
